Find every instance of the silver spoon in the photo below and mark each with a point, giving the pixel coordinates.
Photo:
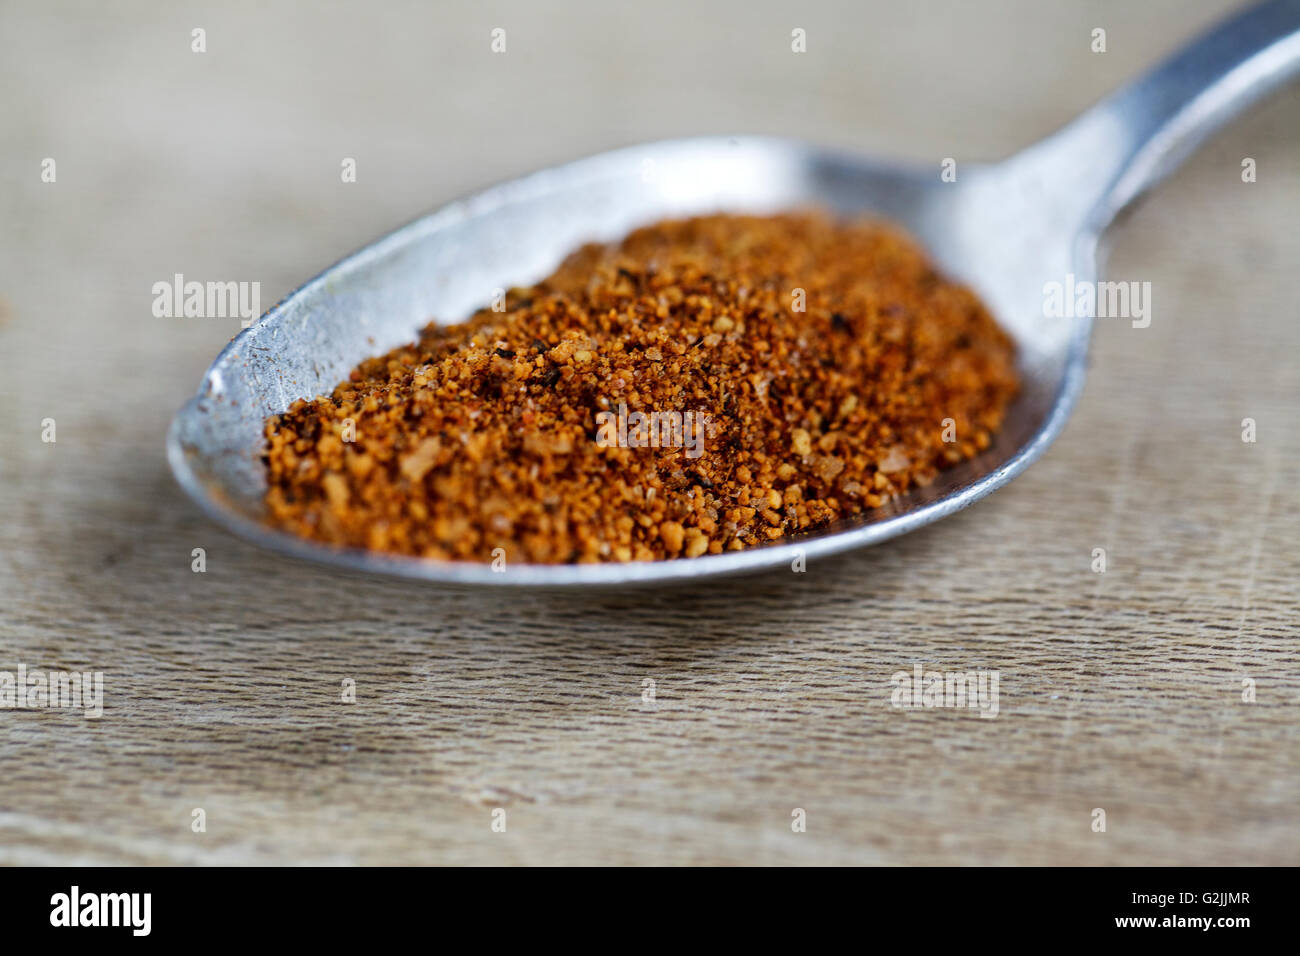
(1005, 229)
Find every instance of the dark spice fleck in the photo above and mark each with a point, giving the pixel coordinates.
(698, 479)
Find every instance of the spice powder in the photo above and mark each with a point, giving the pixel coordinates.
(704, 385)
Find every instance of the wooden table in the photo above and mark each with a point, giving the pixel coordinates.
(223, 690)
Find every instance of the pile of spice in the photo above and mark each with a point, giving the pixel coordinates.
(704, 385)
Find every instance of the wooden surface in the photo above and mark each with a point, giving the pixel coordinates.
(1120, 691)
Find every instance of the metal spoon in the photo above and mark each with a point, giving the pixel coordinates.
(1005, 229)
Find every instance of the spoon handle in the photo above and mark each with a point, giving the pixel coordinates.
(1135, 137)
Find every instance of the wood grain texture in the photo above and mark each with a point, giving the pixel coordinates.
(1120, 690)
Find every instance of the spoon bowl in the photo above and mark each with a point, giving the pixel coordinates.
(1005, 230)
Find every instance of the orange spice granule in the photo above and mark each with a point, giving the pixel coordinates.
(799, 370)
